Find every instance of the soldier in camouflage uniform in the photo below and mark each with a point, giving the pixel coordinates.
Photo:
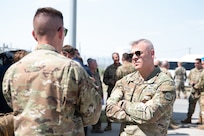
(110, 78)
(164, 68)
(193, 78)
(6, 113)
(126, 68)
(143, 100)
(93, 66)
(51, 94)
(180, 78)
(200, 87)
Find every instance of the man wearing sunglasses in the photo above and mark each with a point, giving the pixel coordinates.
(51, 94)
(143, 100)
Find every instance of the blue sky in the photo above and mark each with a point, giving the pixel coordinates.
(175, 27)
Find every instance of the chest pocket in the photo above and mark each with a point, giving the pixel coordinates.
(135, 92)
(147, 93)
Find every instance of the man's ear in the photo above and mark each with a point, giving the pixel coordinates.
(33, 33)
(60, 33)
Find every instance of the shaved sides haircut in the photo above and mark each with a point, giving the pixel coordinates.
(47, 21)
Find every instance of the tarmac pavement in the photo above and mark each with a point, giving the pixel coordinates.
(179, 113)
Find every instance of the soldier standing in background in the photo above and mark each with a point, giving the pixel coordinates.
(200, 87)
(110, 79)
(193, 78)
(93, 66)
(49, 93)
(180, 78)
(126, 68)
(143, 100)
(164, 68)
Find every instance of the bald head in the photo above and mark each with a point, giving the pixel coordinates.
(165, 64)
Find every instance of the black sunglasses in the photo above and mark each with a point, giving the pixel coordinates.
(137, 53)
(65, 30)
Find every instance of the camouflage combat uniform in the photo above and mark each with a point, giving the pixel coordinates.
(166, 72)
(193, 78)
(180, 78)
(144, 107)
(200, 87)
(51, 95)
(125, 69)
(98, 82)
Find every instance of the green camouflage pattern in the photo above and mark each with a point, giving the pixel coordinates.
(180, 76)
(125, 69)
(166, 72)
(51, 95)
(144, 107)
(98, 82)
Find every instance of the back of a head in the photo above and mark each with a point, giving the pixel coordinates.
(90, 60)
(165, 64)
(47, 21)
(179, 64)
(157, 62)
(126, 57)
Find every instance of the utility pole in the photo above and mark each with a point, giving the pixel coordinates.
(73, 22)
(189, 50)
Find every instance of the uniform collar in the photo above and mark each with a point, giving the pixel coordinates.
(45, 47)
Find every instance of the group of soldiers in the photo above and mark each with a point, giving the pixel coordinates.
(195, 81)
(52, 94)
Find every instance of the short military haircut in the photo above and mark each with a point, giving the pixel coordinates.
(198, 59)
(149, 43)
(126, 57)
(47, 21)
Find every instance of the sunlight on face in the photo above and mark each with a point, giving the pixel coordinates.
(143, 59)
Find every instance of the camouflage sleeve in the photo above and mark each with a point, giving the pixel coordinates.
(6, 89)
(150, 111)
(113, 111)
(89, 100)
(119, 73)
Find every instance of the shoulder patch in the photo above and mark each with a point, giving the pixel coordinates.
(168, 96)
